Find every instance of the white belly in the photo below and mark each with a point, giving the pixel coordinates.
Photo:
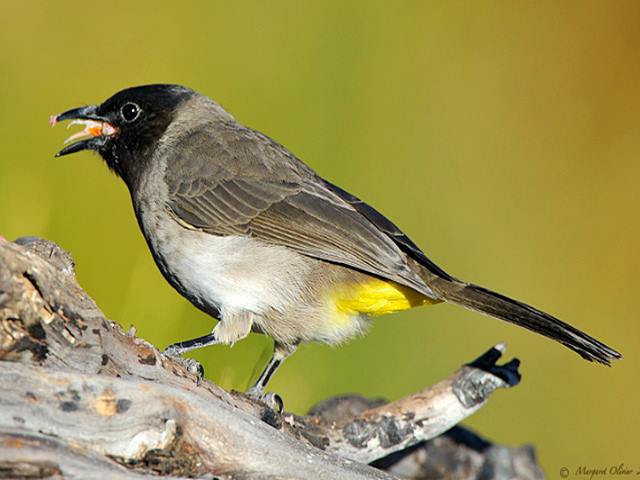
(230, 272)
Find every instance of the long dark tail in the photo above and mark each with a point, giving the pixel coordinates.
(496, 305)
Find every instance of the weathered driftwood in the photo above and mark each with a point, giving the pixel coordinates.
(80, 398)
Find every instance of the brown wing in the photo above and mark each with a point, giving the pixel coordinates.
(235, 181)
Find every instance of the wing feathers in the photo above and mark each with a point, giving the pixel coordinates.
(263, 191)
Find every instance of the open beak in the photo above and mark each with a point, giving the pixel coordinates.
(96, 128)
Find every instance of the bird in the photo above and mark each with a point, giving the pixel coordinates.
(255, 238)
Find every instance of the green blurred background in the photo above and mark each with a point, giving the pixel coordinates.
(501, 136)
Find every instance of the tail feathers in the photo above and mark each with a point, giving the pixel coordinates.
(496, 305)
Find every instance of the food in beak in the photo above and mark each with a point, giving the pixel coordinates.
(92, 128)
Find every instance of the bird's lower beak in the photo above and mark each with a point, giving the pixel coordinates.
(97, 128)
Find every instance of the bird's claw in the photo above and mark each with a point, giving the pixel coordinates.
(192, 366)
(270, 399)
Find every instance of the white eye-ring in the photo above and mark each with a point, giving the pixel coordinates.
(130, 111)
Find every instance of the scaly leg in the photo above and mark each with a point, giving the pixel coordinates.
(280, 353)
(234, 326)
(177, 349)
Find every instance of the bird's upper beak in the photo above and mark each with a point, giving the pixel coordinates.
(97, 128)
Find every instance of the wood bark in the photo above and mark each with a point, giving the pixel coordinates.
(81, 398)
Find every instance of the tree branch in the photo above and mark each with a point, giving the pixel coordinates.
(83, 399)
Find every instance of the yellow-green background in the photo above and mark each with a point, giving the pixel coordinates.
(502, 136)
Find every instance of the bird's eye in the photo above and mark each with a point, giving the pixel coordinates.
(129, 112)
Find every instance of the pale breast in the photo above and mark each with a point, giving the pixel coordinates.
(215, 271)
(231, 271)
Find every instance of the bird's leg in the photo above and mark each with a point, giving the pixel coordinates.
(232, 327)
(177, 349)
(280, 353)
(193, 366)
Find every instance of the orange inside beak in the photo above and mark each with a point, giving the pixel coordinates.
(92, 128)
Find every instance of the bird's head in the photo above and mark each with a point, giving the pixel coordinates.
(125, 128)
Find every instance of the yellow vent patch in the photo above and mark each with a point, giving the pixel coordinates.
(378, 297)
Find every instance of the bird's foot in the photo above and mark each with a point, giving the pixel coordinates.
(192, 366)
(270, 399)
